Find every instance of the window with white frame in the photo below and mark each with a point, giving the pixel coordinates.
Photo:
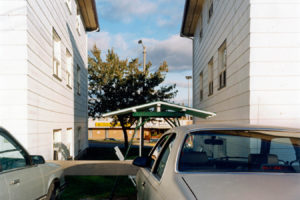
(210, 9)
(222, 65)
(56, 55)
(78, 22)
(57, 155)
(69, 5)
(69, 68)
(78, 79)
(201, 85)
(201, 28)
(211, 77)
(69, 141)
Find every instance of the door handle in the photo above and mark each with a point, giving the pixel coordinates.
(15, 182)
(144, 183)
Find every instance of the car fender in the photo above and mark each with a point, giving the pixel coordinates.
(52, 172)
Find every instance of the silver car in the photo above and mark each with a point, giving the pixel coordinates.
(225, 162)
(25, 177)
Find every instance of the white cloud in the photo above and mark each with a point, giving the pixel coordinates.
(169, 20)
(105, 41)
(175, 50)
(101, 39)
(179, 83)
(119, 42)
(125, 10)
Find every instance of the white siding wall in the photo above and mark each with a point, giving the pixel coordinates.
(230, 22)
(13, 68)
(51, 103)
(275, 62)
(33, 102)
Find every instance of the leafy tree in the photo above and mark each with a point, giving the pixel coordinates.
(116, 84)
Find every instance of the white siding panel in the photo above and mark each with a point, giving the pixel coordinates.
(8, 52)
(12, 7)
(278, 112)
(12, 23)
(13, 37)
(13, 97)
(279, 83)
(13, 68)
(275, 54)
(282, 40)
(275, 26)
(275, 59)
(15, 112)
(276, 97)
(13, 82)
(276, 10)
(275, 68)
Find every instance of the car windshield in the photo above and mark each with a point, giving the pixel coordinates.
(241, 151)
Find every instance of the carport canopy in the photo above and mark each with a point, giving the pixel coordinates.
(159, 109)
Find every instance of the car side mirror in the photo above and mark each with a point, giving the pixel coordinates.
(141, 161)
(37, 160)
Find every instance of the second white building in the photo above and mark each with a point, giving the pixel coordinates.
(246, 59)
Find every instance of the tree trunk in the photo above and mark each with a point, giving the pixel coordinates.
(124, 133)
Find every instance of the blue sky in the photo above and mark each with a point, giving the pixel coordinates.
(157, 23)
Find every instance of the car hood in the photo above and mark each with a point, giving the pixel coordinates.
(244, 186)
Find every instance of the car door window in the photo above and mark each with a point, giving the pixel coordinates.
(11, 155)
(161, 163)
(157, 149)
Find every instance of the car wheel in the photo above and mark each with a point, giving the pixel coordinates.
(52, 192)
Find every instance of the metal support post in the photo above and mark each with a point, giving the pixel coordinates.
(141, 137)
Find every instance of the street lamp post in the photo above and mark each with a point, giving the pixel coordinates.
(188, 78)
(144, 53)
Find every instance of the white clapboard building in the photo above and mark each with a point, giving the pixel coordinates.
(246, 59)
(43, 74)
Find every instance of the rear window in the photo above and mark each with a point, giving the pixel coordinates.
(240, 151)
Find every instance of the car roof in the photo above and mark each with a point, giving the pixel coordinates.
(219, 126)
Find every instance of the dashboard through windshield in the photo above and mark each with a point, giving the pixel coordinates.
(240, 151)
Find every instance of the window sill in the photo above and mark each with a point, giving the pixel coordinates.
(69, 8)
(220, 88)
(69, 86)
(57, 77)
(210, 94)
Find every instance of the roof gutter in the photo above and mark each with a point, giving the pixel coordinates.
(89, 7)
(96, 17)
(186, 6)
(192, 12)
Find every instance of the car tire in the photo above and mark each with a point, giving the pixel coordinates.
(52, 192)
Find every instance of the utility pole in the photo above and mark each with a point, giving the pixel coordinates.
(144, 54)
(188, 78)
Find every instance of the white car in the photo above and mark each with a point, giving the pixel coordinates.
(25, 177)
(225, 162)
